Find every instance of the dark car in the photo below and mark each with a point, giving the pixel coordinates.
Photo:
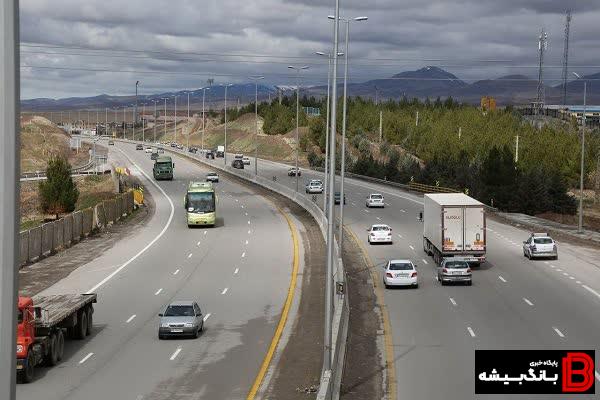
(336, 198)
(193, 150)
(173, 144)
(139, 147)
(154, 156)
(237, 164)
(210, 154)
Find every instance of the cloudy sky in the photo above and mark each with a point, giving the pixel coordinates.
(90, 47)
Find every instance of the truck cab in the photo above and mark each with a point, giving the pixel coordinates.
(163, 168)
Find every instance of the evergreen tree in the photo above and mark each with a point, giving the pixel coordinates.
(58, 193)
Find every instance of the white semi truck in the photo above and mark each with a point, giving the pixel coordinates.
(454, 226)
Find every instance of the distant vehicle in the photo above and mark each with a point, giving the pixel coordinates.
(380, 233)
(314, 186)
(454, 269)
(193, 150)
(212, 177)
(540, 245)
(294, 171)
(180, 146)
(400, 273)
(210, 154)
(154, 156)
(111, 143)
(42, 326)
(375, 200)
(246, 160)
(161, 151)
(237, 164)
(238, 156)
(200, 204)
(336, 197)
(220, 151)
(139, 147)
(454, 226)
(148, 150)
(163, 168)
(173, 144)
(181, 318)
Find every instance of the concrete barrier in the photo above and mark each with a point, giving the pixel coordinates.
(58, 236)
(68, 230)
(100, 218)
(87, 221)
(23, 247)
(118, 207)
(35, 244)
(77, 220)
(47, 241)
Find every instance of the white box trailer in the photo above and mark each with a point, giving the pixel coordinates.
(454, 226)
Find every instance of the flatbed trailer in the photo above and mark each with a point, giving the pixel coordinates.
(43, 324)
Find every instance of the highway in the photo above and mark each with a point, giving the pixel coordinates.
(226, 269)
(514, 303)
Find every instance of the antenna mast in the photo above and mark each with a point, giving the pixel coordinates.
(541, 93)
(565, 71)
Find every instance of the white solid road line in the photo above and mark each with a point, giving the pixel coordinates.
(424, 261)
(84, 359)
(142, 251)
(589, 289)
(175, 354)
(246, 214)
(236, 271)
(452, 301)
(176, 271)
(190, 255)
(158, 292)
(501, 278)
(578, 282)
(207, 316)
(471, 331)
(527, 301)
(130, 319)
(572, 277)
(558, 332)
(224, 290)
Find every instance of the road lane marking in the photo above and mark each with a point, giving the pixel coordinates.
(242, 206)
(527, 301)
(190, 255)
(411, 247)
(546, 262)
(424, 261)
(205, 232)
(249, 232)
(367, 211)
(175, 354)
(246, 242)
(198, 244)
(471, 331)
(578, 282)
(130, 319)
(176, 271)
(236, 271)
(401, 210)
(246, 214)
(565, 274)
(207, 316)
(501, 278)
(224, 290)
(243, 254)
(572, 277)
(236, 200)
(378, 218)
(558, 270)
(400, 236)
(142, 251)
(84, 359)
(597, 375)
(552, 266)
(558, 332)
(452, 301)
(248, 222)
(158, 292)
(589, 289)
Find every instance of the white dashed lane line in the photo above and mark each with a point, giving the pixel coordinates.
(243, 254)
(175, 354)
(236, 271)
(249, 232)
(527, 301)
(190, 255)
(502, 279)
(158, 292)
(452, 301)
(207, 316)
(411, 247)
(424, 261)
(246, 242)
(558, 332)
(205, 232)
(130, 319)
(224, 290)
(198, 244)
(176, 271)
(84, 359)
(400, 236)
(471, 332)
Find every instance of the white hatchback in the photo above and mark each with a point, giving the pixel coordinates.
(400, 273)
(375, 200)
(380, 233)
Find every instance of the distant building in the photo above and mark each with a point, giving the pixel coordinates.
(312, 111)
(592, 113)
(488, 103)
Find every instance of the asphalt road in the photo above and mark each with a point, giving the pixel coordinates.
(239, 273)
(514, 303)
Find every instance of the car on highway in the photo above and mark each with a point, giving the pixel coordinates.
(173, 144)
(380, 233)
(454, 270)
(375, 200)
(212, 177)
(154, 156)
(400, 273)
(314, 186)
(246, 160)
(193, 150)
(210, 154)
(180, 146)
(148, 149)
(139, 147)
(294, 171)
(237, 164)
(540, 245)
(337, 196)
(111, 142)
(181, 318)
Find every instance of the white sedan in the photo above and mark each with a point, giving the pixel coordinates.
(375, 200)
(400, 273)
(380, 233)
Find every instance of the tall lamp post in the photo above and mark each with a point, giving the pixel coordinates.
(143, 122)
(135, 108)
(297, 69)
(256, 78)
(582, 172)
(343, 164)
(203, 120)
(188, 119)
(175, 114)
(154, 119)
(165, 117)
(225, 146)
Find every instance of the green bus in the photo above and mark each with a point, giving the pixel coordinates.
(200, 204)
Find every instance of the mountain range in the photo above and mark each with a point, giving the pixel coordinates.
(428, 82)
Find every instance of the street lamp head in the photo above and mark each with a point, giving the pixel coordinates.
(305, 67)
(361, 18)
(331, 16)
(576, 75)
(320, 53)
(290, 67)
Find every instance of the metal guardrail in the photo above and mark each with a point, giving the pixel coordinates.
(74, 171)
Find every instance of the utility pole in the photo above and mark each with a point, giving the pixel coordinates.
(134, 119)
(380, 126)
(165, 118)
(517, 149)
(256, 79)
(154, 119)
(124, 121)
(326, 129)
(135, 108)
(459, 132)
(10, 189)
(143, 115)
(565, 71)
(188, 119)
(541, 92)
(105, 122)
(175, 114)
(225, 145)
(203, 120)
(297, 69)
(417, 119)
(582, 172)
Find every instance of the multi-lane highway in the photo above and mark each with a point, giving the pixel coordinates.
(514, 303)
(239, 273)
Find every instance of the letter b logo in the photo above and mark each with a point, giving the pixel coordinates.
(586, 373)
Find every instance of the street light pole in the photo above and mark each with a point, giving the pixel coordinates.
(256, 79)
(582, 172)
(124, 121)
(188, 119)
(297, 69)
(135, 108)
(203, 120)
(225, 146)
(143, 114)
(175, 114)
(165, 118)
(154, 119)
(105, 122)
(134, 118)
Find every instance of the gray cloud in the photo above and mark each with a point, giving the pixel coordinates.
(184, 42)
